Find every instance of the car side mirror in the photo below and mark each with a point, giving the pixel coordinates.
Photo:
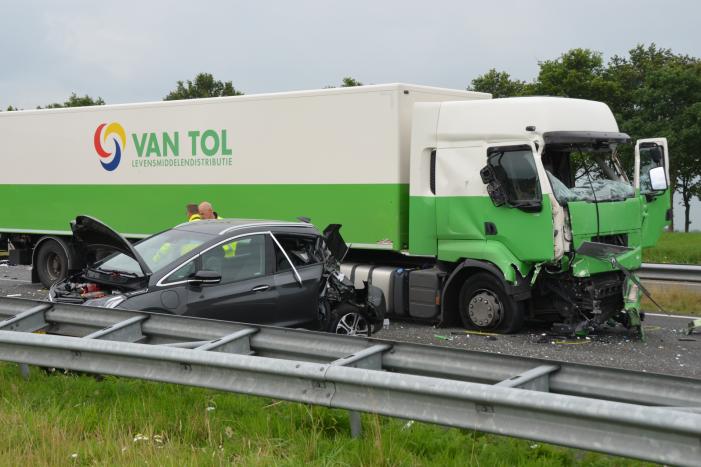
(658, 179)
(204, 277)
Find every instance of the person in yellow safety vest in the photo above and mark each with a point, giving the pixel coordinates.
(229, 250)
(207, 212)
(193, 213)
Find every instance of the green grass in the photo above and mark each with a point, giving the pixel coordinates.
(673, 299)
(675, 248)
(76, 420)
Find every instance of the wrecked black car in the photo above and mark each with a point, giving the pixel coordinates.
(263, 272)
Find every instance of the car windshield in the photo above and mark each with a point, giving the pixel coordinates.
(583, 174)
(157, 251)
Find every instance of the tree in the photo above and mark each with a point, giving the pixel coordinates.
(578, 73)
(349, 82)
(659, 94)
(499, 84)
(76, 101)
(204, 85)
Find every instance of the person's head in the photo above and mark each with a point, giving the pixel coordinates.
(205, 210)
(191, 210)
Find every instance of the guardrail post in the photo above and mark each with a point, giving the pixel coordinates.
(536, 379)
(370, 359)
(30, 320)
(24, 371)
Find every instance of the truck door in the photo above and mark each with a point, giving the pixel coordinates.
(521, 222)
(651, 154)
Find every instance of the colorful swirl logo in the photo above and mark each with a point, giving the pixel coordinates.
(101, 137)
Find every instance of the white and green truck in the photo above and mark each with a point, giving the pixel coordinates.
(463, 208)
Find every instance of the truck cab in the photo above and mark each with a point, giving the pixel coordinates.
(535, 213)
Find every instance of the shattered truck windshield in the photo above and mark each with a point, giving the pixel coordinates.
(585, 174)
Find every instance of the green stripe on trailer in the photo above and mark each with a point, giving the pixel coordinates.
(370, 213)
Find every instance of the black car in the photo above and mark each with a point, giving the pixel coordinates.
(252, 271)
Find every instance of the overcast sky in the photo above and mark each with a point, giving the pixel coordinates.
(130, 51)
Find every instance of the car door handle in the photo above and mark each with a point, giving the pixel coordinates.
(260, 288)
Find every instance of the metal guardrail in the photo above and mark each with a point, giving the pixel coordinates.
(640, 415)
(670, 272)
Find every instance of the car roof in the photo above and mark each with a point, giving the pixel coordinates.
(224, 226)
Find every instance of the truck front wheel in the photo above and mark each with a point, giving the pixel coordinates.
(51, 263)
(485, 306)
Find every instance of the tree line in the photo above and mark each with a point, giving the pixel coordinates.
(652, 92)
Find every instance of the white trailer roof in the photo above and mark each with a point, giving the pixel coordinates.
(373, 88)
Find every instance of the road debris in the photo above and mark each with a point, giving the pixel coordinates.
(443, 338)
(693, 326)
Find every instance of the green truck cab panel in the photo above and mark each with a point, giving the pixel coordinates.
(422, 225)
(527, 236)
(486, 250)
(585, 266)
(652, 153)
(654, 217)
(614, 217)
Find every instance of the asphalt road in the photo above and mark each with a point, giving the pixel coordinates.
(667, 348)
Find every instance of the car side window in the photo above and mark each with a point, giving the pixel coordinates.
(238, 259)
(182, 273)
(302, 251)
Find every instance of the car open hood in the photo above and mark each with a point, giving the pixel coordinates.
(90, 234)
(334, 242)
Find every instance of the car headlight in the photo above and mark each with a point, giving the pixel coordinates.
(111, 301)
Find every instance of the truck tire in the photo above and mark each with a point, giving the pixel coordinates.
(52, 263)
(348, 320)
(485, 306)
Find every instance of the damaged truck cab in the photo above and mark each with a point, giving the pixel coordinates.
(535, 214)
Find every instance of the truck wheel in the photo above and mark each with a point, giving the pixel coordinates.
(52, 263)
(485, 306)
(350, 321)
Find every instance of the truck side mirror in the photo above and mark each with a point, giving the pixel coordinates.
(494, 188)
(487, 175)
(658, 179)
(496, 193)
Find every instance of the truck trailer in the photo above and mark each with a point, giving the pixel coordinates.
(462, 208)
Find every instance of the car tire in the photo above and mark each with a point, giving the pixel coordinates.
(348, 320)
(485, 306)
(51, 263)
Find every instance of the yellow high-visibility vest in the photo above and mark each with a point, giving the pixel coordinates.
(229, 250)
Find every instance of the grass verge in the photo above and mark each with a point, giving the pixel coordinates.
(673, 298)
(675, 248)
(61, 419)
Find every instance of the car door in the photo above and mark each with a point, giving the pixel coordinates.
(247, 291)
(656, 207)
(298, 272)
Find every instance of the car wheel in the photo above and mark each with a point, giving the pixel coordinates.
(485, 306)
(52, 263)
(349, 321)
